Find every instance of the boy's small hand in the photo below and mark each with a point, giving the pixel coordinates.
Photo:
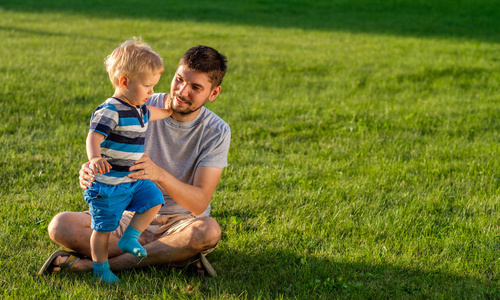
(168, 103)
(100, 165)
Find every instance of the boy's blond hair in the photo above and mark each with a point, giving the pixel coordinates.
(131, 58)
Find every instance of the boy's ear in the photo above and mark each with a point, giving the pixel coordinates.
(123, 81)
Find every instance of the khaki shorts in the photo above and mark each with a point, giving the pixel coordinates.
(162, 225)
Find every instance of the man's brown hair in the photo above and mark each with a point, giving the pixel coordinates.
(206, 60)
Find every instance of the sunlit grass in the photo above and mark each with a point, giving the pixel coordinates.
(363, 161)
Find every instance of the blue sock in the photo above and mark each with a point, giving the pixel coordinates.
(102, 271)
(129, 243)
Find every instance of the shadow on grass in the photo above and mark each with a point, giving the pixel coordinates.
(473, 20)
(267, 273)
(278, 273)
(52, 33)
(284, 274)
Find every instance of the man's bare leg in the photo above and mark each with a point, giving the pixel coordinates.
(72, 230)
(176, 248)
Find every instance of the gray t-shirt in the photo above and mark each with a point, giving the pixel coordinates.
(181, 147)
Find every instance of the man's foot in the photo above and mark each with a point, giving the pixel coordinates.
(204, 266)
(64, 260)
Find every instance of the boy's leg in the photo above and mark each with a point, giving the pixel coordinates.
(142, 220)
(99, 249)
(146, 201)
(99, 246)
(129, 242)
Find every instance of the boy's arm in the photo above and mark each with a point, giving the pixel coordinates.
(97, 163)
(161, 113)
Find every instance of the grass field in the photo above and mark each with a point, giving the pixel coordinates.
(364, 155)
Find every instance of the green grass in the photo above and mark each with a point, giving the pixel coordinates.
(364, 156)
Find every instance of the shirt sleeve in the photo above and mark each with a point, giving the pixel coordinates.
(104, 119)
(217, 155)
(157, 100)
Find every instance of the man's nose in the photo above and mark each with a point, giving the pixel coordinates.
(183, 89)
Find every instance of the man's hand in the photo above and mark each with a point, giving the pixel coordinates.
(145, 168)
(86, 176)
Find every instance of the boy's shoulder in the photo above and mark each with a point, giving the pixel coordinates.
(115, 104)
(108, 103)
(110, 108)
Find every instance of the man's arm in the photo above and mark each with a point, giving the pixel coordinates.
(86, 176)
(194, 198)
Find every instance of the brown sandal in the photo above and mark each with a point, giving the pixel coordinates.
(207, 267)
(48, 266)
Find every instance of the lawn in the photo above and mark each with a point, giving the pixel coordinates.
(364, 153)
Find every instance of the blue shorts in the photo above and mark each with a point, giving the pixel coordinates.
(108, 202)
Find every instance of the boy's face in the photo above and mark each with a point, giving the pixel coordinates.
(190, 90)
(140, 87)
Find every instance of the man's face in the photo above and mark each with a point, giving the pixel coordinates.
(190, 90)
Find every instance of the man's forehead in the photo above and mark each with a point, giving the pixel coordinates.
(193, 76)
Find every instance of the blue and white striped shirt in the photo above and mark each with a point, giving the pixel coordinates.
(124, 127)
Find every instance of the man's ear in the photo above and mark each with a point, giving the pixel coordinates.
(123, 82)
(214, 93)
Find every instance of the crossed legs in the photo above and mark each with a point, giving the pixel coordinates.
(72, 230)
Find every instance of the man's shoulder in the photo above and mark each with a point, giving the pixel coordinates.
(156, 100)
(214, 122)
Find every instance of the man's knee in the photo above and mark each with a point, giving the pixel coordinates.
(213, 231)
(206, 234)
(62, 223)
(55, 226)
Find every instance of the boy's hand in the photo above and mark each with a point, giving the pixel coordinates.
(100, 165)
(168, 103)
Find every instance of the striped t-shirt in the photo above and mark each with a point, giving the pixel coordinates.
(124, 128)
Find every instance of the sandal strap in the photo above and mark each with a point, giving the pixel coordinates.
(69, 262)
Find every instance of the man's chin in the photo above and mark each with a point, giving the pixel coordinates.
(185, 112)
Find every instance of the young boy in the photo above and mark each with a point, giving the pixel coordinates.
(115, 141)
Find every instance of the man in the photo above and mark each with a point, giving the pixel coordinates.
(184, 156)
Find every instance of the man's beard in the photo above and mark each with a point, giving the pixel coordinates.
(186, 111)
